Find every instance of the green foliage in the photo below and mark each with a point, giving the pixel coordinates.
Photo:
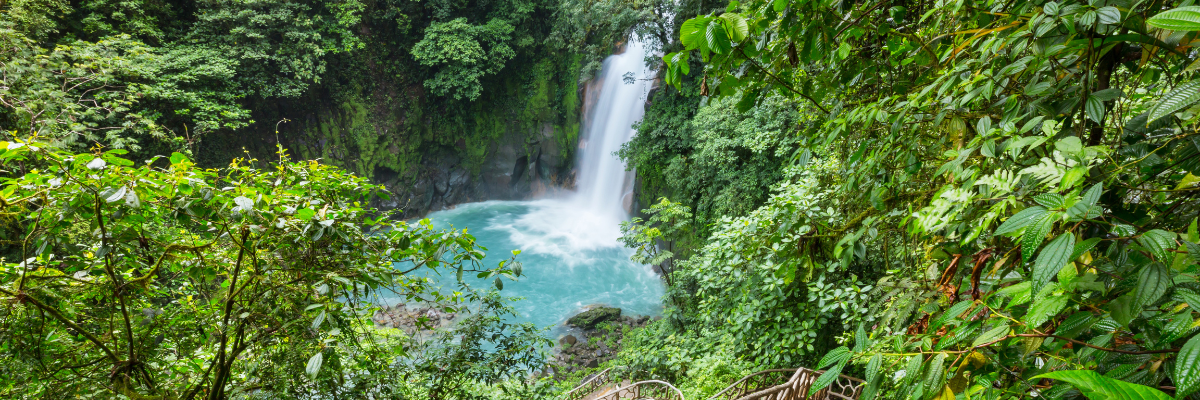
(165, 280)
(465, 53)
(994, 191)
(668, 222)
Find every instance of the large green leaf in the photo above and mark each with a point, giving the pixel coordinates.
(1043, 309)
(314, 365)
(935, 376)
(1179, 19)
(1021, 220)
(827, 378)
(692, 32)
(835, 356)
(1153, 282)
(991, 335)
(735, 26)
(1187, 368)
(1099, 387)
(1052, 259)
(1183, 96)
(873, 366)
(1033, 237)
(1094, 109)
(717, 39)
(1159, 243)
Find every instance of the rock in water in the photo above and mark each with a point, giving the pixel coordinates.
(588, 319)
(568, 340)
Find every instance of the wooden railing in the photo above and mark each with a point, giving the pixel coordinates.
(772, 384)
(797, 388)
(755, 382)
(645, 390)
(591, 385)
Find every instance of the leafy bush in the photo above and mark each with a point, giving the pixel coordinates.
(164, 280)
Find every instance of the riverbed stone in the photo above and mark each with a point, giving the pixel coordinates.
(568, 340)
(590, 318)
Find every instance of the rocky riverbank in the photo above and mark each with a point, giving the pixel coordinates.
(596, 336)
(401, 316)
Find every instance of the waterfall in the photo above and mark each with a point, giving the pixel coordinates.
(604, 186)
(570, 246)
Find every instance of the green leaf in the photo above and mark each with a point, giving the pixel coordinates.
(1122, 309)
(305, 213)
(1083, 247)
(1075, 324)
(314, 365)
(826, 378)
(835, 356)
(177, 158)
(1021, 220)
(1050, 8)
(1043, 309)
(1108, 94)
(691, 33)
(1033, 237)
(1093, 194)
(1183, 96)
(780, 5)
(873, 366)
(991, 335)
(1109, 15)
(1153, 282)
(843, 50)
(1052, 259)
(717, 39)
(1187, 368)
(1159, 243)
(1094, 109)
(318, 320)
(1179, 19)
(1050, 200)
(499, 283)
(936, 374)
(735, 26)
(1098, 387)
(1193, 251)
(913, 369)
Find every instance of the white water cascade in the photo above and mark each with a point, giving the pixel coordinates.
(570, 250)
(604, 185)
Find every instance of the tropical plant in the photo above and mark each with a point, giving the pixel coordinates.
(164, 280)
(1014, 182)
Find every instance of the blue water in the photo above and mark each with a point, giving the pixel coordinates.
(571, 258)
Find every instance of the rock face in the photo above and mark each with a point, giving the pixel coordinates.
(590, 318)
(414, 319)
(601, 333)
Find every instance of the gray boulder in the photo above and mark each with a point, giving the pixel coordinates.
(590, 318)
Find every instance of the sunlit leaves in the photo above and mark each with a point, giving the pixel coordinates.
(1096, 386)
(1180, 97)
(1178, 19)
(1021, 220)
(314, 365)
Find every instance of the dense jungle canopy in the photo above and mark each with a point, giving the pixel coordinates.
(951, 199)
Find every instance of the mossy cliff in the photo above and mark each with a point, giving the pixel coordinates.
(377, 120)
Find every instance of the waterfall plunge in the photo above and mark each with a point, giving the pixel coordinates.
(569, 245)
(603, 184)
